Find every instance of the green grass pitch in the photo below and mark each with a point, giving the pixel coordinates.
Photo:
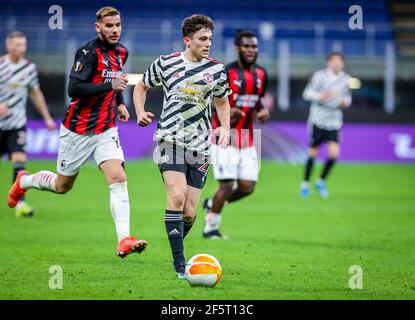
(280, 246)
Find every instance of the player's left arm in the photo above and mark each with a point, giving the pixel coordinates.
(4, 109)
(262, 111)
(347, 100)
(224, 113)
(38, 99)
(123, 114)
(220, 93)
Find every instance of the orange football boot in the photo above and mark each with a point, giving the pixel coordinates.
(129, 245)
(16, 192)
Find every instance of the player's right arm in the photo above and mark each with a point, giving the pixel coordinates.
(80, 84)
(313, 91)
(151, 78)
(139, 97)
(4, 109)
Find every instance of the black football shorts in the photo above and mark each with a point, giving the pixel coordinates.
(13, 140)
(194, 165)
(319, 136)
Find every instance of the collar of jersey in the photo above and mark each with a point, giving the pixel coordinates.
(106, 45)
(191, 62)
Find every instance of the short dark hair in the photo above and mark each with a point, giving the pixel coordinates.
(243, 34)
(335, 54)
(196, 22)
(15, 34)
(105, 12)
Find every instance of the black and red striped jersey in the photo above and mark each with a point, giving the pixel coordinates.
(248, 86)
(98, 63)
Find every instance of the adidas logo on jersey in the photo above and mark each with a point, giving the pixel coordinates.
(174, 232)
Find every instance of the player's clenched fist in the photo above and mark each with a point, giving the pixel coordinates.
(123, 114)
(144, 119)
(119, 83)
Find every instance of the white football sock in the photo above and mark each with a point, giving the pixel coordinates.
(120, 209)
(42, 180)
(212, 221)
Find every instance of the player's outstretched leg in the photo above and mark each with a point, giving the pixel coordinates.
(189, 211)
(305, 184)
(213, 208)
(243, 189)
(42, 180)
(320, 185)
(22, 208)
(176, 186)
(120, 208)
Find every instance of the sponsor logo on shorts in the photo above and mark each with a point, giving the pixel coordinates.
(163, 159)
(203, 168)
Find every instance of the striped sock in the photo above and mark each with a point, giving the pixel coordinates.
(174, 228)
(212, 221)
(42, 180)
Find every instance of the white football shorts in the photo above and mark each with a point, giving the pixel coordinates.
(234, 163)
(75, 149)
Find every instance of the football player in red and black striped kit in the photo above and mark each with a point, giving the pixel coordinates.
(238, 162)
(88, 129)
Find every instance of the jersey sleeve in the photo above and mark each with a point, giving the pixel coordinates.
(312, 92)
(127, 53)
(265, 84)
(3, 88)
(153, 76)
(222, 88)
(84, 65)
(34, 79)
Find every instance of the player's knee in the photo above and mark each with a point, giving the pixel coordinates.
(119, 177)
(313, 152)
(177, 199)
(18, 157)
(226, 187)
(248, 188)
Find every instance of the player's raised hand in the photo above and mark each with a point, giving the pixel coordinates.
(3, 110)
(123, 114)
(144, 119)
(223, 140)
(119, 83)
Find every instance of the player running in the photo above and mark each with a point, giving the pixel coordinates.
(329, 94)
(239, 162)
(95, 86)
(190, 80)
(18, 77)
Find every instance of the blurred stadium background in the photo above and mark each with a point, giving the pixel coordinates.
(294, 39)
